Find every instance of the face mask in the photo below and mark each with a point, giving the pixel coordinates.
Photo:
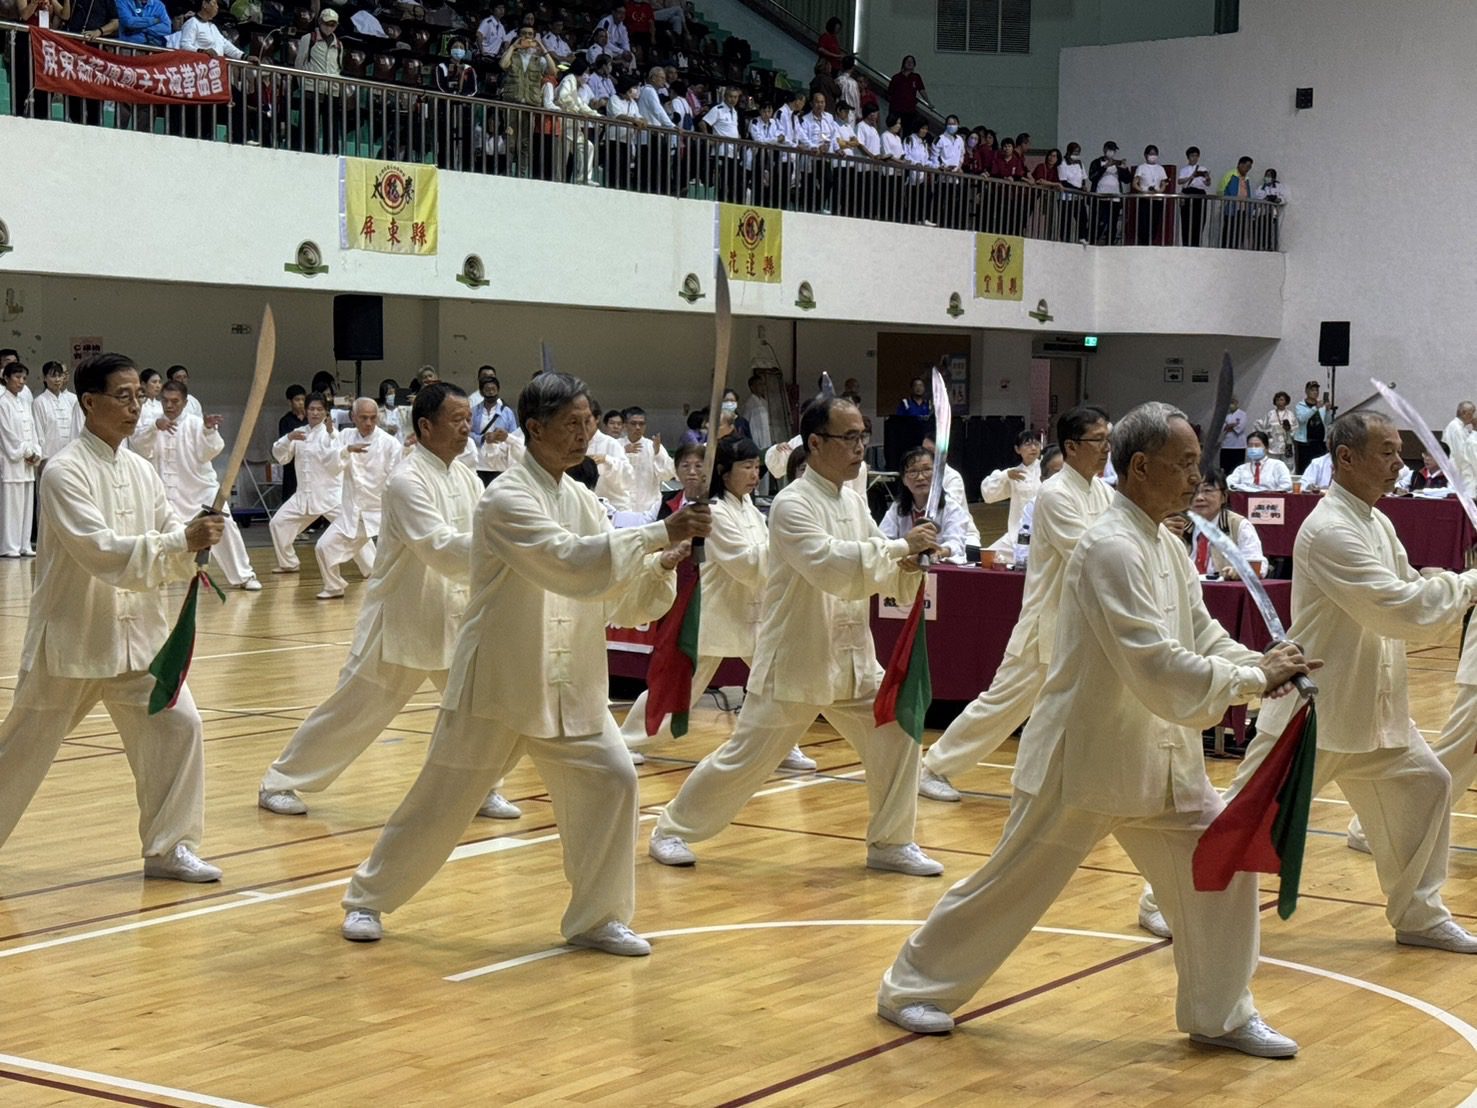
(1072, 158)
(1255, 453)
(1268, 181)
(973, 141)
(389, 400)
(730, 405)
(1152, 159)
(952, 128)
(457, 53)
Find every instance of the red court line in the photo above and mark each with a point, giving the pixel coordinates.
(100, 1094)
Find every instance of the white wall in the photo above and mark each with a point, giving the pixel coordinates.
(1127, 370)
(1377, 231)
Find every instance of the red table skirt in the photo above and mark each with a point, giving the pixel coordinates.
(1434, 532)
(628, 653)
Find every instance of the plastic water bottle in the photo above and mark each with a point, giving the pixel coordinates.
(1022, 547)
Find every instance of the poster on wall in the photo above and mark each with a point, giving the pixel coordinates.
(999, 267)
(752, 242)
(388, 207)
(956, 373)
(84, 346)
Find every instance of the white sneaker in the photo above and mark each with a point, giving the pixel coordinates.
(251, 584)
(497, 806)
(935, 786)
(613, 938)
(284, 802)
(286, 569)
(1253, 1037)
(902, 858)
(798, 760)
(1355, 838)
(362, 925)
(1447, 935)
(921, 1018)
(1154, 923)
(181, 864)
(637, 758)
(669, 850)
(329, 594)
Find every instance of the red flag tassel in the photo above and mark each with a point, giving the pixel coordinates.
(1265, 826)
(171, 665)
(907, 685)
(673, 660)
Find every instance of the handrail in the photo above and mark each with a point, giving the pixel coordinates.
(308, 112)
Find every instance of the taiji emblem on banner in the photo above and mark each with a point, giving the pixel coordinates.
(751, 242)
(1268, 510)
(388, 207)
(999, 267)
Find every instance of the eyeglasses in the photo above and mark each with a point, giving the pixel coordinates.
(852, 439)
(127, 399)
(1096, 440)
(920, 474)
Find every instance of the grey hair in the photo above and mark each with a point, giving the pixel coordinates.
(1465, 406)
(1142, 431)
(1352, 430)
(547, 395)
(368, 401)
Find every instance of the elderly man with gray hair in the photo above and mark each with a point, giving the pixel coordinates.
(370, 455)
(548, 573)
(1113, 748)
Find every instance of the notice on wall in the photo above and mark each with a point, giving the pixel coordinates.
(1265, 510)
(892, 609)
(84, 346)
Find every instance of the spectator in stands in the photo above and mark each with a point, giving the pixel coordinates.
(1236, 185)
(1010, 163)
(1313, 418)
(1149, 180)
(763, 165)
(656, 149)
(828, 50)
(916, 403)
(492, 33)
(825, 84)
(1233, 437)
(816, 131)
(1107, 176)
(598, 89)
(555, 43)
(319, 51)
(1277, 427)
(726, 170)
(1193, 180)
(1268, 219)
(525, 61)
(919, 151)
(894, 155)
(599, 47)
(846, 83)
(146, 22)
(574, 139)
(1260, 473)
(93, 19)
(1072, 177)
(905, 90)
(454, 122)
(622, 144)
(617, 35)
(201, 35)
(911, 497)
(671, 14)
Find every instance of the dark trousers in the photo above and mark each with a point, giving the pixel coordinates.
(1305, 452)
(1192, 218)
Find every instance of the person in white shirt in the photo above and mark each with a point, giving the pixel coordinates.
(1460, 439)
(1106, 176)
(1318, 476)
(1113, 748)
(948, 155)
(181, 446)
(1072, 176)
(617, 35)
(1233, 437)
(56, 413)
(916, 478)
(548, 573)
(640, 488)
(919, 151)
(621, 140)
(153, 384)
(20, 456)
(492, 423)
(846, 182)
(1211, 504)
(394, 416)
(788, 117)
(777, 461)
(764, 165)
(726, 172)
(1193, 180)
(656, 149)
(756, 412)
(493, 34)
(1259, 473)
(851, 91)
(814, 655)
(200, 34)
(370, 455)
(598, 89)
(815, 131)
(1020, 484)
(608, 453)
(555, 42)
(889, 201)
(1149, 179)
(412, 608)
(182, 375)
(1277, 426)
(99, 615)
(574, 139)
(315, 452)
(1063, 510)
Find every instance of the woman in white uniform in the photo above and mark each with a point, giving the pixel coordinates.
(20, 455)
(1210, 504)
(912, 496)
(320, 466)
(1019, 483)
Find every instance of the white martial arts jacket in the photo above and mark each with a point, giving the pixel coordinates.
(183, 459)
(418, 591)
(777, 460)
(733, 577)
(953, 524)
(548, 574)
(1459, 440)
(954, 490)
(614, 468)
(1064, 509)
(319, 468)
(58, 419)
(17, 437)
(998, 486)
(1140, 669)
(639, 488)
(756, 411)
(1356, 601)
(364, 478)
(827, 559)
(109, 539)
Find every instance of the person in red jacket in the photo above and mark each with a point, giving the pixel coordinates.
(904, 91)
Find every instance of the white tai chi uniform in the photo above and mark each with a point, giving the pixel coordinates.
(814, 656)
(58, 419)
(319, 487)
(953, 524)
(1113, 748)
(1460, 441)
(183, 457)
(733, 577)
(1063, 510)
(1457, 746)
(18, 441)
(548, 574)
(998, 486)
(351, 534)
(777, 459)
(1356, 602)
(954, 490)
(407, 627)
(98, 617)
(639, 488)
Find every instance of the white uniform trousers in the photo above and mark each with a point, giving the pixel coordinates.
(633, 728)
(17, 510)
(983, 918)
(593, 788)
(230, 554)
(767, 729)
(164, 751)
(335, 547)
(990, 718)
(288, 522)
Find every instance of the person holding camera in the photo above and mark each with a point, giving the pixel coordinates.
(1107, 176)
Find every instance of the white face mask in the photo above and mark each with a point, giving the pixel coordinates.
(1152, 159)
(952, 128)
(389, 400)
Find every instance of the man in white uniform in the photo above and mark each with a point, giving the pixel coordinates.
(315, 451)
(412, 608)
(548, 573)
(814, 655)
(370, 454)
(20, 455)
(182, 375)
(1067, 505)
(98, 617)
(1019, 484)
(182, 454)
(609, 455)
(756, 412)
(1113, 748)
(1458, 437)
(639, 490)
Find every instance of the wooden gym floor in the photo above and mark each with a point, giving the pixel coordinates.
(761, 985)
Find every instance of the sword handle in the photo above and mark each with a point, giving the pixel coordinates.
(1304, 684)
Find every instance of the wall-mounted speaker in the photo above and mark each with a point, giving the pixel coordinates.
(358, 328)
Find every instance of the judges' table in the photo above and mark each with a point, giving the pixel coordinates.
(1434, 532)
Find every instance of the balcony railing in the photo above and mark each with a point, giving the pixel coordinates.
(289, 109)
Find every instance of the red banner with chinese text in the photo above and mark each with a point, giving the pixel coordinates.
(67, 66)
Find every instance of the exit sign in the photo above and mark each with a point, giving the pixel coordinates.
(1089, 341)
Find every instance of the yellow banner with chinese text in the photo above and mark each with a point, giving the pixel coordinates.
(388, 207)
(999, 267)
(752, 242)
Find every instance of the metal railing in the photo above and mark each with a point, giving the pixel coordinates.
(289, 109)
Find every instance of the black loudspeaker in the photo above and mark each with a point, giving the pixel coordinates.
(1333, 343)
(358, 328)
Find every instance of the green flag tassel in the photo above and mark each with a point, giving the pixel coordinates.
(172, 664)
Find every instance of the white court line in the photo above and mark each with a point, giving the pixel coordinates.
(120, 1082)
(245, 653)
